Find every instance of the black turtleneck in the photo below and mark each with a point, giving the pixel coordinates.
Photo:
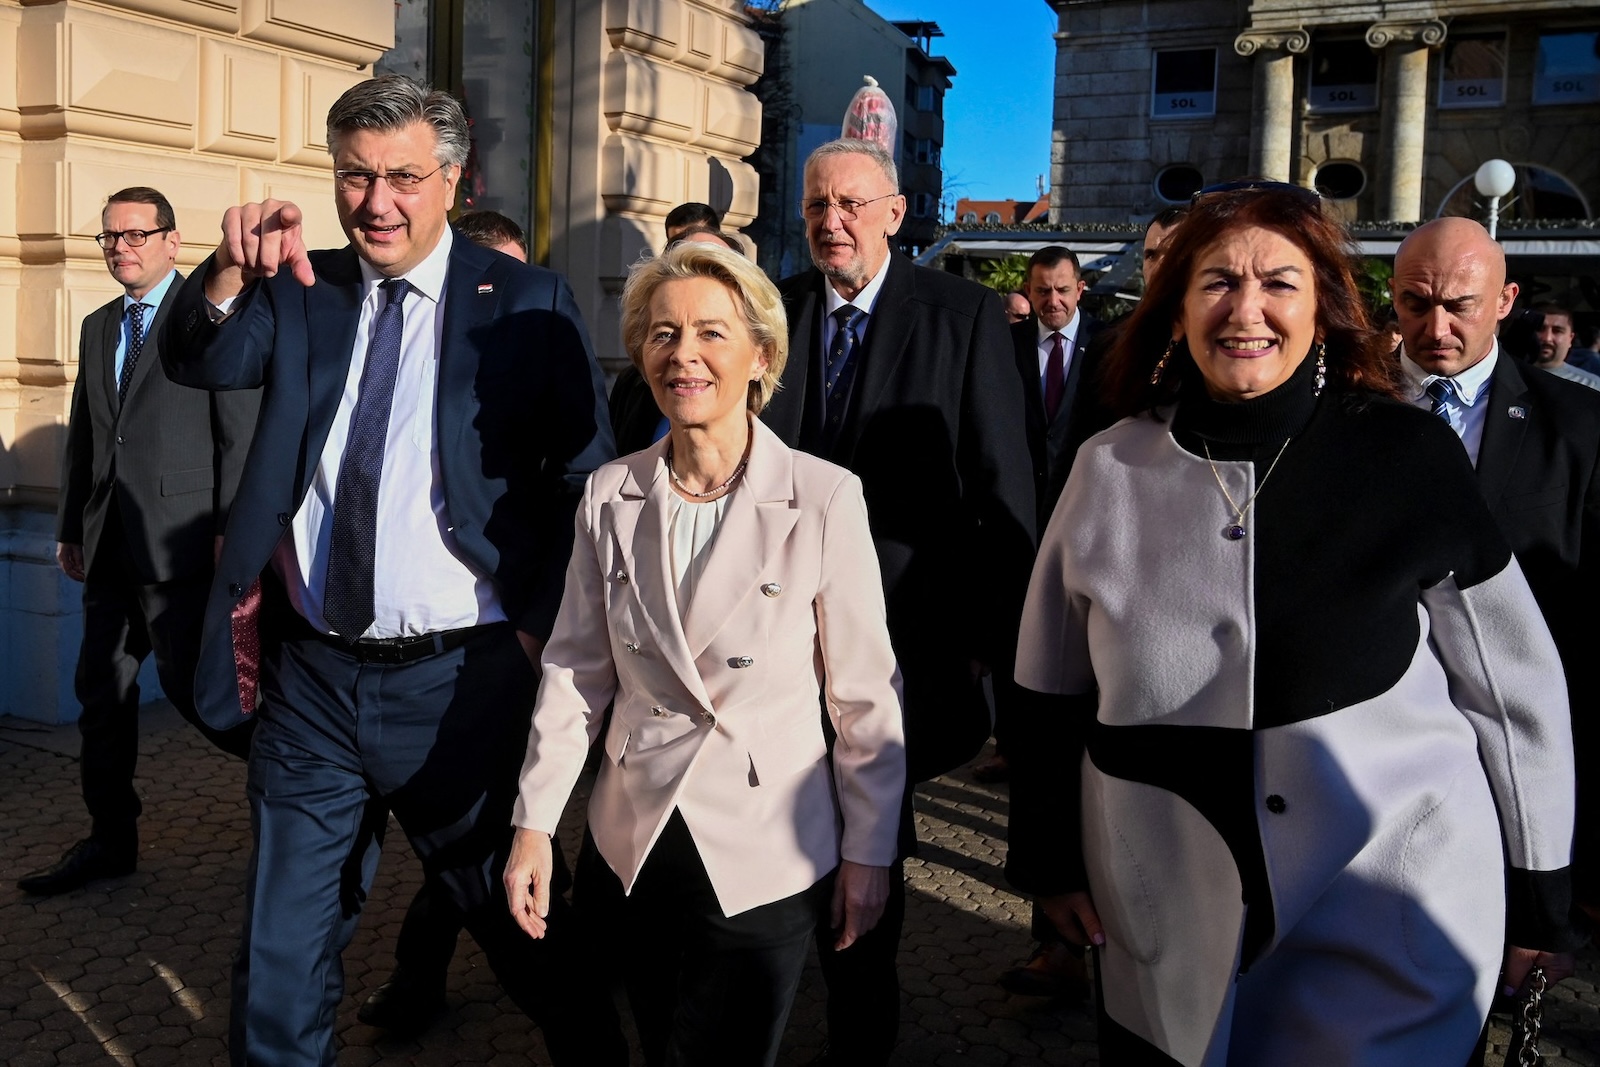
(1235, 429)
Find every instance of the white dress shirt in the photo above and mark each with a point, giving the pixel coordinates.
(1467, 408)
(151, 301)
(863, 302)
(1069, 345)
(421, 584)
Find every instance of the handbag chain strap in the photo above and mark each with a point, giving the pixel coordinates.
(1531, 1012)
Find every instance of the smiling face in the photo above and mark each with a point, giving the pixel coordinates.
(699, 356)
(394, 231)
(850, 251)
(1249, 312)
(141, 269)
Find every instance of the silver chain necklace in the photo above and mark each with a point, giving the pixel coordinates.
(1235, 531)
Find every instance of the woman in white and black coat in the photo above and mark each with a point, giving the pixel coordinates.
(1325, 739)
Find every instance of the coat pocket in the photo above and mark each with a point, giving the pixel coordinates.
(176, 483)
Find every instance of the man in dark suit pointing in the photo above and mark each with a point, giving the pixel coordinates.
(149, 471)
(904, 375)
(393, 562)
(1535, 441)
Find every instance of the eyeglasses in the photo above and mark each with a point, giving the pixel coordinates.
(1309, 196)
(132, 238)
(848, 208)
(400, 181)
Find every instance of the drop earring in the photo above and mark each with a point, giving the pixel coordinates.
(1161, 366)
(1322, 370)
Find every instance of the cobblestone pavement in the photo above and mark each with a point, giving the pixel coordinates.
(134, 971)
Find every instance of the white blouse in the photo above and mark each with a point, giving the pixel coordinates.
(691, 528)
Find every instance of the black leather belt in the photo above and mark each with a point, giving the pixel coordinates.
(400, 649)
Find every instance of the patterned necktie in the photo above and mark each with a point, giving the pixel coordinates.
(841, 367)
(352, 549)
(130, 358)
(1441, 392)
(1055, 379)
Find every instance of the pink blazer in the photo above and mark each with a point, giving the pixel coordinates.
(718, 714)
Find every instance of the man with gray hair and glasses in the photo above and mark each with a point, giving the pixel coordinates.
(905, 376)
(392, 564)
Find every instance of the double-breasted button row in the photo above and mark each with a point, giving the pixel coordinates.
(661, 712)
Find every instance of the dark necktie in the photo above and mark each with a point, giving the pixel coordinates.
(1055, 379)
(1440, 391)
(841, 365)
(352, 548)
(130, 359)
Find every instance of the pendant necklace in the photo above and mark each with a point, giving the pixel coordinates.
(1235, 531)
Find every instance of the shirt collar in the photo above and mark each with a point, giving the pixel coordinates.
(426, 277)
(864, 299)
(1469, 385)
(1069, 332)
(154, 297)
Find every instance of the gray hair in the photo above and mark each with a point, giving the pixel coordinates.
(392, 102)
(854, 146)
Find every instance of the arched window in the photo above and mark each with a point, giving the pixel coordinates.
(1177, 183)
(1540, 193)
(1340, 180)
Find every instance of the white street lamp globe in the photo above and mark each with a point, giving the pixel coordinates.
(1495, 178)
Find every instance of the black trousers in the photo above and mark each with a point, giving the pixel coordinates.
(864, 982)
(439, 742)
(706, 989)
(124, 621)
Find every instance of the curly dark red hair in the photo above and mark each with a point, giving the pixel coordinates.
(1358, 356)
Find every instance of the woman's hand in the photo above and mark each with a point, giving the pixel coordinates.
(1075, 918)
(859, 894)
(527, 880)
(1520, 961)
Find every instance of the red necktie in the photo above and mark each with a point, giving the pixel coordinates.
(1055, 380)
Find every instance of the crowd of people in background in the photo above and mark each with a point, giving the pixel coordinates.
(1274, 604)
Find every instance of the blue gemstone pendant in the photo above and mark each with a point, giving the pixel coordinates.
(1234, 532)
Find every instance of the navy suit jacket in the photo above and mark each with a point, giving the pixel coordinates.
(933, 430)
(1054, 442)
(521, 421)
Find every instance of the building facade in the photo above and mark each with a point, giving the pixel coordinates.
(1385, 106)
(590, 122)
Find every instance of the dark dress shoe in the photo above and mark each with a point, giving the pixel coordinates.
(1054, 971)
(84, 862)
(402, 1006)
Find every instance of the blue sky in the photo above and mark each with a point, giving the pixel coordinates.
(997, 114)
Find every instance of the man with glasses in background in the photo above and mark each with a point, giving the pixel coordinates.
(904, 375)
(393, 565)
(149, 471)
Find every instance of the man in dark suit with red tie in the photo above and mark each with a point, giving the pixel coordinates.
(393, 563)
(903, 375)
(147, 478)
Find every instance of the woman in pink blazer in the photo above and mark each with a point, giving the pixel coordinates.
(723, 592)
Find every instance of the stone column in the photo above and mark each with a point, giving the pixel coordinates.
(1405, 109)
(1272, 107)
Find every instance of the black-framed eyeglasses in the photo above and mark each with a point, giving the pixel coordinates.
(132, 238)
(848, 208)
(401, 181)
(1310, 196)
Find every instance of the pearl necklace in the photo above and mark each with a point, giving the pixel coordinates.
(1236, 531)
(743, 461)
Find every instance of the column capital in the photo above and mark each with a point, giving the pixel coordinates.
(1428, 32)
(1252, 41)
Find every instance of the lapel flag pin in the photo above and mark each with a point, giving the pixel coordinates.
(1517, 411)
(485, 287)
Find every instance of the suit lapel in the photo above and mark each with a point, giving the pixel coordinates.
(1502, 434)
(150, 354)
(786, 413)
(1069, 388)
(888, 335)
(466, 307)
(333, 311)
(759, 517)
(640, 519)
(109, 338)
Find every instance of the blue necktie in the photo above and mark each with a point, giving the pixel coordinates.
(841, 367)
(130, 358)
(1441, 391)
(352, 549)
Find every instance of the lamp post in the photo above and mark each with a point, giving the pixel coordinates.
(1494, 180)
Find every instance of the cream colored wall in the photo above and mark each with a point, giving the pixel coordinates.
(651, 111)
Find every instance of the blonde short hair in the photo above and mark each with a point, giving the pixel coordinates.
(754, 293)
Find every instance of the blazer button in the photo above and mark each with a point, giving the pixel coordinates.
(659, 712)
(771, 589)
(1276, 804)
(741, 661)
(283, 518)
(235, 589)
(631, 647)
(708, 718)
(119, 439)
(622, 577)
